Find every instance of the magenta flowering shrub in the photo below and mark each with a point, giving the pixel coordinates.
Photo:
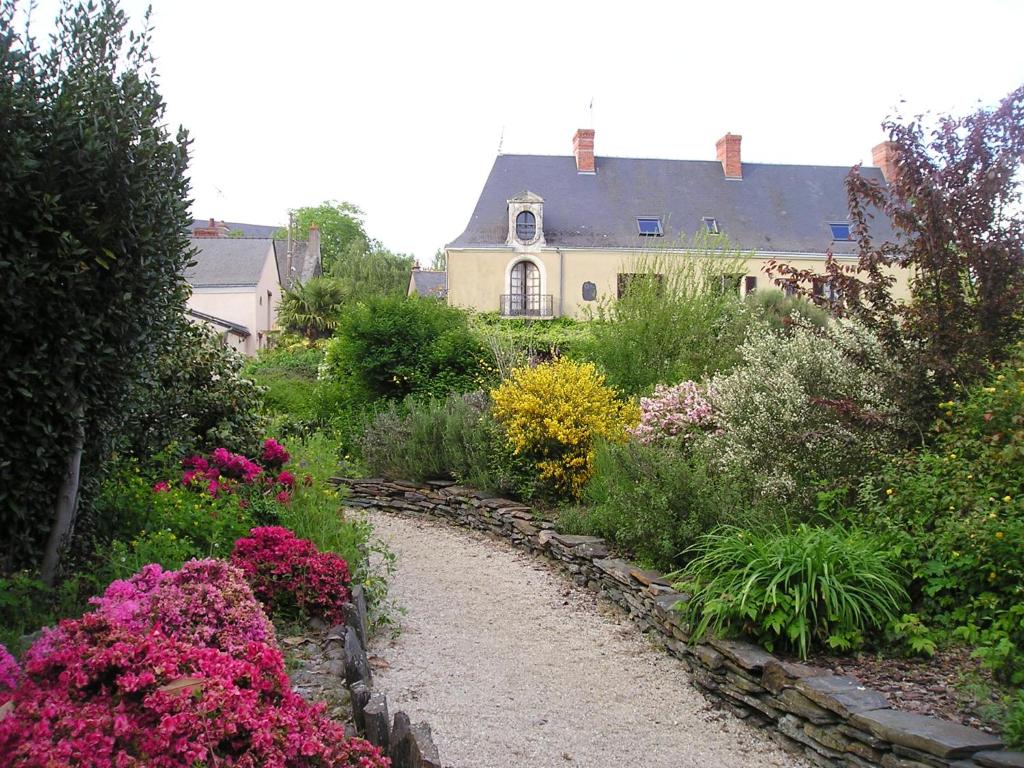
(205, 602)
(290, 576)
(680, 411)
(9, 672)
(225, 473)
(108, 694)
(273, 455)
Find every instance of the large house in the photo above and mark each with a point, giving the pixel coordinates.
(237, 282)
(552, 235)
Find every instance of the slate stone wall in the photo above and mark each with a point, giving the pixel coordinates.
(830, 719)
(408, 745)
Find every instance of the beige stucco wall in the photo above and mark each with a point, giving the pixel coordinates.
(478, 277)
(249, 306)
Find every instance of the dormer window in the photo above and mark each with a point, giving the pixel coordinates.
(840, 230)
(648, 226)
(711, 225)
(526, 227)
(526, 221)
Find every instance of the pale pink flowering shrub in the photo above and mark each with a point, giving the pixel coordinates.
(9, 672)
(205, 602)
(108, 695)
(680, 411)
(290, 575)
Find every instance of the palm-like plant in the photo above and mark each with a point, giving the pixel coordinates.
(312, 308)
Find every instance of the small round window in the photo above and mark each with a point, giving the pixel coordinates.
(526, 227)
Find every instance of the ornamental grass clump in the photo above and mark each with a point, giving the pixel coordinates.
(291, 577)
(554, 413)
(795, 589)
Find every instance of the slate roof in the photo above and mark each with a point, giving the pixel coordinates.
(227, 262)
(429, 282)
(229, 325)
(775, 208)
(247, 230)
(304, 265)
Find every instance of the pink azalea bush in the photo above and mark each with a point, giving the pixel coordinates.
(170, 669)
(9, 672)
(290, 575)
(111, 695)
(674, 412)
(205, 602)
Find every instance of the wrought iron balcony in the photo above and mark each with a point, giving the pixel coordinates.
(520, 305)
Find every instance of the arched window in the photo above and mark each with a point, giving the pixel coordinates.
(524, 289)
(526, 227)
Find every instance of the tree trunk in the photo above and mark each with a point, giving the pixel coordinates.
(65, 510)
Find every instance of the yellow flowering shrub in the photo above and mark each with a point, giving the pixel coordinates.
(554, 412)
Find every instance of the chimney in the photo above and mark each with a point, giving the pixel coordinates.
(313, 245)
(583, 148)
(214, 229)
(884, 157)
(728, 148)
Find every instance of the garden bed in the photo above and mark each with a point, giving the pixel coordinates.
(831, 718)
(951, 684)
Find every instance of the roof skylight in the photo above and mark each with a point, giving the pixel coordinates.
(711, 224)
(649, 226)
(840, 230)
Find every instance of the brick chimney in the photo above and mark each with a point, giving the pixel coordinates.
(883, 156)
(728, 148)
(214, 229)
(583, 148)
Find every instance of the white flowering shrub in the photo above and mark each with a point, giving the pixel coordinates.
(811, 405)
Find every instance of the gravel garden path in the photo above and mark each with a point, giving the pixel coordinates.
(512, 665)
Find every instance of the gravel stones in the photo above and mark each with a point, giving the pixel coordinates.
(513, 666)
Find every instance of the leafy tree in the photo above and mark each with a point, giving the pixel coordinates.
(440, 261)
(954, 202)
(93, 224)
(377, 272)
(312, 308)
(341, 230)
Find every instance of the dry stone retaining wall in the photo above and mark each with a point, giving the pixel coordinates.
(833, 720)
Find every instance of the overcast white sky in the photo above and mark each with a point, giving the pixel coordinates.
(398, 107)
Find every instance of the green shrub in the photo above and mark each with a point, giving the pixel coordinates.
(26, 604)
(647, 499)
(130, 507)
(1013, 728)
(393, 347)
(955, 514)
(804, 410)
(794, 589)
(121, 559)
(453, 438)
(514, 342)
(679, 326)
(776, 310)
(315, 510)
(197, 398)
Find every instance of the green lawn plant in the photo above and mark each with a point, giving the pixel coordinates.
(798, 589)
